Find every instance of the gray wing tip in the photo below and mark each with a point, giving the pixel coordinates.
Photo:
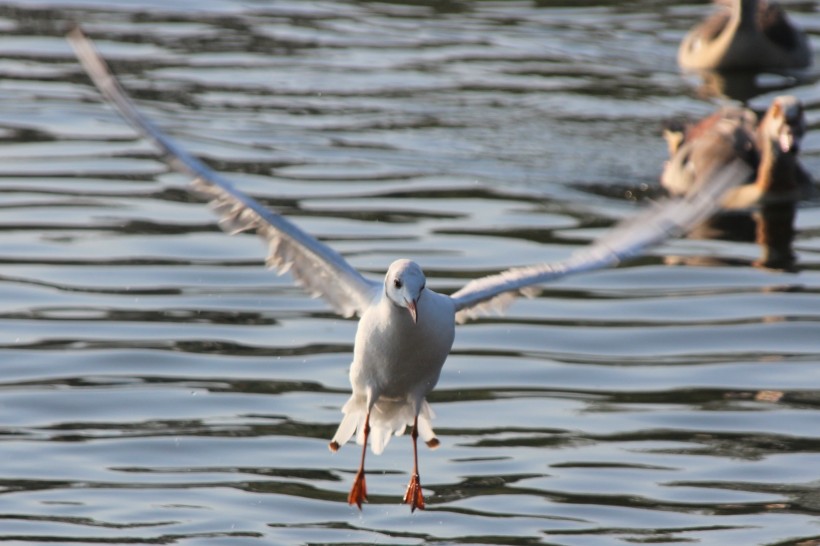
(312, 264)
(283, 256)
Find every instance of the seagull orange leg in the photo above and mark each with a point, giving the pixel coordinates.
(413, 495)
(358, 492)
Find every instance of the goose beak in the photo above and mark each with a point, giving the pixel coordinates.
(411, 306)
(787, 142)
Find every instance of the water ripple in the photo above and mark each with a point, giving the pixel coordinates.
(159, 386)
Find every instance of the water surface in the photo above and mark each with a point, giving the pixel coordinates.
(159, 386)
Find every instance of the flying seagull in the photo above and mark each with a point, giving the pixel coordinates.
(405, 330)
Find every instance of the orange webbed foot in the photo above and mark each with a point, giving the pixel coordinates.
(413, 495)
(358, 492)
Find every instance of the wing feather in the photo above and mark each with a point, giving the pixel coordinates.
(665, 219)
(315, 266)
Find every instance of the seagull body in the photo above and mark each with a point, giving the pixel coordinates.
(405, 330)
(401, 344)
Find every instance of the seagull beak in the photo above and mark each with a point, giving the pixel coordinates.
(411, 306)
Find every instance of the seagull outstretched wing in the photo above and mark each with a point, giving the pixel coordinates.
(665, 219)
(323, 272)
(319, 269)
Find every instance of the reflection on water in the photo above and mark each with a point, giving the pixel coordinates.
(744, 86)
(159, 386)
(771, 227)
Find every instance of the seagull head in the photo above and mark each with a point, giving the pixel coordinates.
(404, 284)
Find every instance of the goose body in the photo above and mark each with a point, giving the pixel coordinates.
(769, 146)
(745, 35)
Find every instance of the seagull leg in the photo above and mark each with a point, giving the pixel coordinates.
(358, 492)
(413, 495)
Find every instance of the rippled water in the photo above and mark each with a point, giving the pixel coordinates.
(158, 385)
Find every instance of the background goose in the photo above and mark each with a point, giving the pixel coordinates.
(745, 35)
(770, 146)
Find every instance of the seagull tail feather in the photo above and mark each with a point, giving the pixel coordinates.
(388, 418)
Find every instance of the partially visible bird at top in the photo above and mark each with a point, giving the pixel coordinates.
(768, 145)
(754, 35)
(405, 330)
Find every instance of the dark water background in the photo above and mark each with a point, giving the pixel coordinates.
(159, 386)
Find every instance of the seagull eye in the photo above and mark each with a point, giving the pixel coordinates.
(397, 283)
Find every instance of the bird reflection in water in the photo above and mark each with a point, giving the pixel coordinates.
(771, 227)
(745, 85)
